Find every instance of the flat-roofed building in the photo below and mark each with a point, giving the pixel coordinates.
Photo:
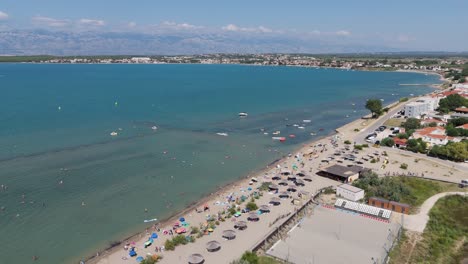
(349, 192)
(342, 173)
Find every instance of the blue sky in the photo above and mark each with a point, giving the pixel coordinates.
(417, 25)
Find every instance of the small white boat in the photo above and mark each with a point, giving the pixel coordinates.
(243, 114)
(222, 134)
(306, 121)
(276, 132)
(295, 125)
(154, 127)
(301, 127)
(282, 139)
(113, 133)
(313, 134)
(265, 133)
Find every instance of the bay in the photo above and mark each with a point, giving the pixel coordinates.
(56, 148)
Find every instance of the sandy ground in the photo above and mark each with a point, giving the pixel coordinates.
(335, 237)
(324, 153)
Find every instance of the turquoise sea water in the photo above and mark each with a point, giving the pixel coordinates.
(56, 120)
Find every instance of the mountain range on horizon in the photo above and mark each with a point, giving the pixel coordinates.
(63, 43)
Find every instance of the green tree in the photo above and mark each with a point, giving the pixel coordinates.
(411, 123)
(451, 131)
(374, 106)
(432, 124)
(451, 102)
(458, 121)
(388, 142)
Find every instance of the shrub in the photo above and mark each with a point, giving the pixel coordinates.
(264, 186)
(194, 230)
(358, 147)
(232, 210)
(403, 99)
(404, 166)
(356, 130)
(373, 161)
(169, 245)
(347, 142)
(252, 206)
(250, 257)
(179, 240)
(365, 145)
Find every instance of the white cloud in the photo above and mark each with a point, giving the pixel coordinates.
(91, 22)
(3, 16)
(131, 24)
(343, 33)
(50, 22)
(178, 26)
(234, 28)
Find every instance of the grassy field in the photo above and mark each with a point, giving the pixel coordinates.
(445, 239)
(421, 189)
(394, 122)
(410, 190)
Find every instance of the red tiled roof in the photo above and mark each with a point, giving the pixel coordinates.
(430, 120)
(462, 109)
(465, 126)
(400, 141)
(429, 130)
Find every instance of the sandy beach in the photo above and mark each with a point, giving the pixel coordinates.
(309, 159)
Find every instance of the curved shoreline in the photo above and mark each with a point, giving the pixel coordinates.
(235, 182)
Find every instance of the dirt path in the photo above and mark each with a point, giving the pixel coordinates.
(418, 221)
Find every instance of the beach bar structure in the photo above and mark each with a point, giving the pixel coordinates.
(213, 246)
(241, 225)
(196, 259)
(390, 205)
(229, 234)
(342, 173)
(349, 192)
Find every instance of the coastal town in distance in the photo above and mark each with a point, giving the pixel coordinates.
(233, 133)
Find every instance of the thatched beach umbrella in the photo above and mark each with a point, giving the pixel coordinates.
(308, 178)
(276, 177)
(275, 201)
(301, 173)
(283, 182)
(196, 259)
(299, 182)
(213, 246)
(253, 217)
(285, 172)
(273, 187)
(229, 234)
(291, 177)
(284, 195)
(241, 225)
(264, 209)
(291, 188)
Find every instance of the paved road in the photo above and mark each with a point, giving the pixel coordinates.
(419, 221)
(360, 137)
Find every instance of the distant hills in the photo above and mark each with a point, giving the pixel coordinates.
(31, 42)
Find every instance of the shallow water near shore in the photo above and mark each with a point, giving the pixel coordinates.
(56, 148)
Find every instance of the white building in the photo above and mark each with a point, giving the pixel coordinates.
(349, 192)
